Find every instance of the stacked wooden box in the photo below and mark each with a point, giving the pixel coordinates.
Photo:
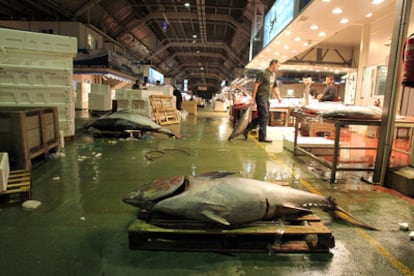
(36, 70)
(28, 133)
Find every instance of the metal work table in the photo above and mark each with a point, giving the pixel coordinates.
(339, 122)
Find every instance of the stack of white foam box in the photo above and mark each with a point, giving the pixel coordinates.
(131, 100)
(136, 100)
(4, 170)
(36, 70)
(82, 95)
(100, 98)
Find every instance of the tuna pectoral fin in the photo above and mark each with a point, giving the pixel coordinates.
(211, 211)
(287, 210)
(213, 217)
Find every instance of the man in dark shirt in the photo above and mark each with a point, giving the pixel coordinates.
(264, 86)
(178, 97)
(329, 94)
(137, 85)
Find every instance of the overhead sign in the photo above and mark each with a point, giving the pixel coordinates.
(277, 18)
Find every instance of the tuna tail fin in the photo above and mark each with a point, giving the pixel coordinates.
(339, 213)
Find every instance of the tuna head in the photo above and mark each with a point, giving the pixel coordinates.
(151, 193)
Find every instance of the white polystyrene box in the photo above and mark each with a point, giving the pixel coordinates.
(37, 60)
(99, 102)
(67, 127)
(128, 94)
(147, 93)
(141, 106)
(100, 88)
(35, 94)
(81, 99)
(121, 94)
(316, 145)
(4, 170)
(40, 42)
(25, 75)
(277, 133)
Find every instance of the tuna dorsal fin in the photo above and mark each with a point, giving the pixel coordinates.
(217, 174)
(210, 215)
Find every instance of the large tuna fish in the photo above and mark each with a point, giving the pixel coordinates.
(224, 199)
(241, 124)
(124, 121)
(357, 112)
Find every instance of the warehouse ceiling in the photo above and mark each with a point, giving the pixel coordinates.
(204, 41)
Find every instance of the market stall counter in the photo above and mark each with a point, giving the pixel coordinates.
(340, 119)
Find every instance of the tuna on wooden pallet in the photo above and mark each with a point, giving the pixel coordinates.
(295, 235)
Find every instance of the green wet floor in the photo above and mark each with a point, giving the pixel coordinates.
(81, 226)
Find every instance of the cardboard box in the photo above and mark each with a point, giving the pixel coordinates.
(4, 170)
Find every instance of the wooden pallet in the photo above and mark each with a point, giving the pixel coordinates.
(163, 109)
(19, 185)
(296, 235)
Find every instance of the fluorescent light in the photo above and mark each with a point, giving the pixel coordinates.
(377, 2)
(337, 11)
(344, 20)
(322, 34)
(314, 27)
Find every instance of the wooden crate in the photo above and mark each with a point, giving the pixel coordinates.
(27, 133)
(163, 109)
(297, 235)
(19, 186)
